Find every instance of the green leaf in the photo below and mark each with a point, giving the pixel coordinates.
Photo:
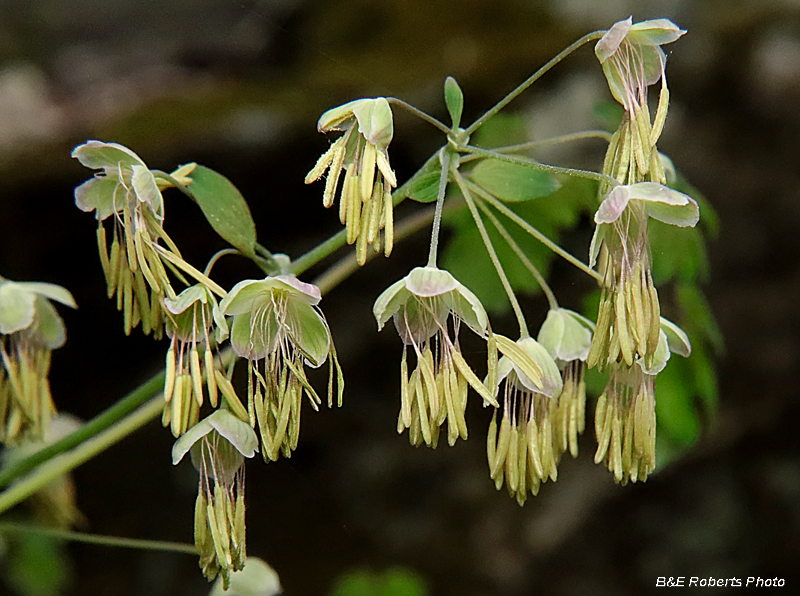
(454, 98)
(397, 581)
(466, 258)
(678, 253)
(513, 182)
(37, 565)
(424, 185)
(224, 208)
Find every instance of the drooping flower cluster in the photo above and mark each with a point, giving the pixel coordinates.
(136, 265)
(30, 329)
(428, 307)
(278, 328)
(196, 326)
(568, 337)
(365, 204)
(523, 452)
(218, 445)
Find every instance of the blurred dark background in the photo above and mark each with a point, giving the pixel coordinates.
(238, 85)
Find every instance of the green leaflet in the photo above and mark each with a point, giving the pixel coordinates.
(454, 98)
(224, 208)
(511, 182)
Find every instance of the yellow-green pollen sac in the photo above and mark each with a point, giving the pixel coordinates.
(428, 307)
(279, 330)
(522, 453)
(195, 327)
(625, 424)
(30, 328)
(365, 204)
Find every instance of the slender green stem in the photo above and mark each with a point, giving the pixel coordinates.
(159, 545)
(539, 166)
(533, 231)
(348, 265)
(445, 156)
(420, 114)
(533, 78)
(98, 424)
(568, 138)
(551, 298)
(61, 464)
(523, 326)
(217, 256)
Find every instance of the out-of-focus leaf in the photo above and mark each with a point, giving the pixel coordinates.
(699, 319)
(224, 208)
(513, 182)
(675, 410)
(609, 113)
(678, 253)
(466, 258)
(393, 582)
(501, 130)
(37, 566)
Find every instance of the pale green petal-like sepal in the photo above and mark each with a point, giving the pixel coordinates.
(535, 368)
(235, 431)
(192, 294)
(16, 307)
(662, 203)
(146, 189)
(255, 579)
(310, 333)
(374, 118)
(678, 339)
(566, 335)
(660, 356)
(50, 326)
(98, 194)
(430, 281)
(389, 302)
(108, 156)
(50, 291)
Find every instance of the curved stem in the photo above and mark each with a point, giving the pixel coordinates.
(539, 166)
(523, 326)
(533, 78)
(217, 256)
(445, 157)
(420, 114)
(551, 298)
(160, 545)
(533, 231)
(568, 138)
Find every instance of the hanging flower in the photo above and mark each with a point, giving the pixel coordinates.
(30, 329)
(522, 454)
(135, 265)
(196, 325)
(278, 328)
(625, 415)
(632, 60)
(567, 336)
(218, 447)
(628, 317)
(365, 205)
(428, 306)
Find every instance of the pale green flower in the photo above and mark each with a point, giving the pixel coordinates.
(278, 328)
(628, 319)
(196, 326)
(218, 446)
(521, 453)
(568, 338)
(428, 307)
(625, 415)
(365, 205)
(30, 328)
(141, 251)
